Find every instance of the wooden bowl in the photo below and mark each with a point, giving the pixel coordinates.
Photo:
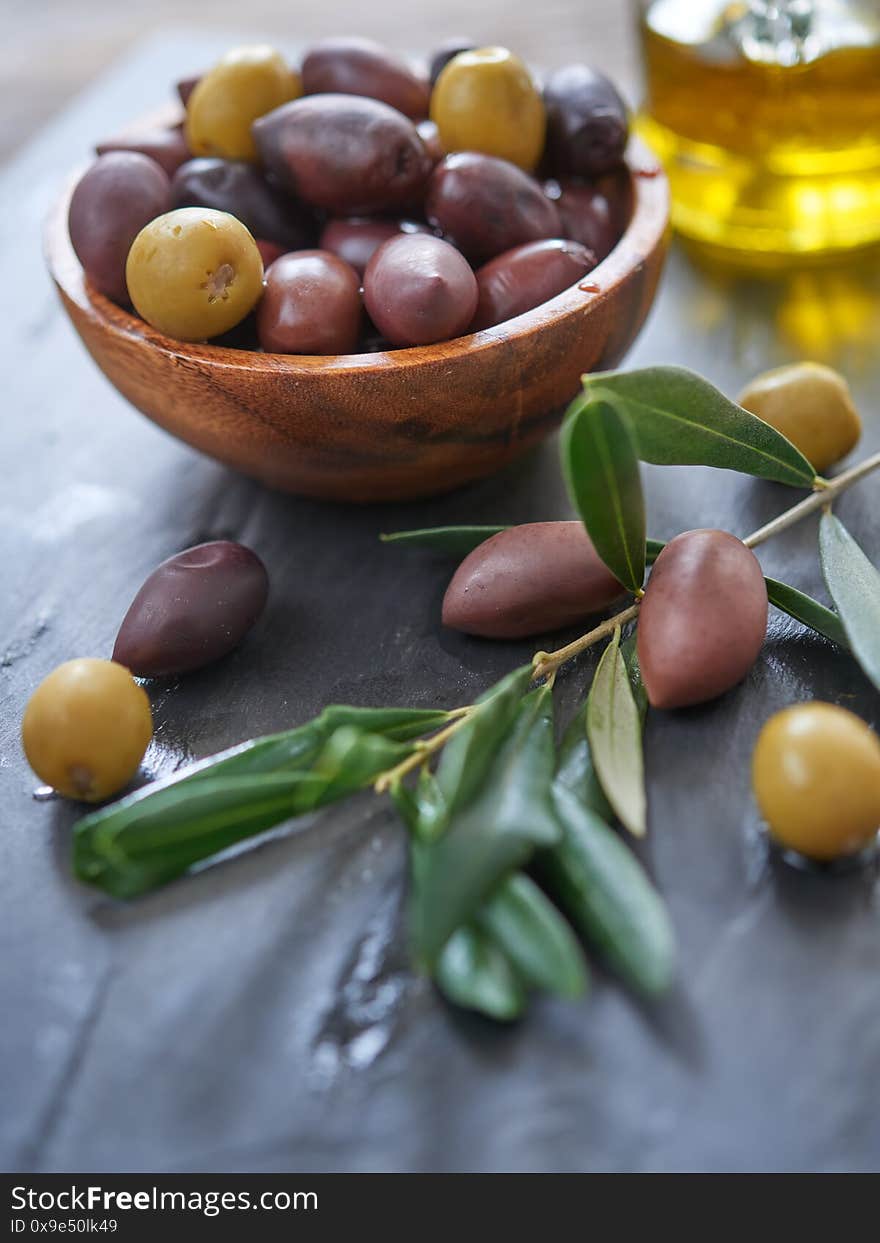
(386, 426)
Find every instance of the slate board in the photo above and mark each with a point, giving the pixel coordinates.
(260, 1016)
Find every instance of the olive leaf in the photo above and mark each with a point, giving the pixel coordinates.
(679, 419)
(854, 584)
(457, 540)
(615, 734)
(805, 609)
(537, 941)
(601, 468)
(422, 807)
(473, 972)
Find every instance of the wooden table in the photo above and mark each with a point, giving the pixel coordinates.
(261, 1016)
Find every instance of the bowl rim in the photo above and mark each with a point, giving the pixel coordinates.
(646, 230)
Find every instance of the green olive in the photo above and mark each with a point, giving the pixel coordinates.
(811, 405)
(194, 273)
(816, 776)
(486, 101)
(86, 728)
(247, 83)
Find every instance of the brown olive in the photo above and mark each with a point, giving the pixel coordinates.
(588, 216)
(344, 153)
(702, 620)
(247, 83)
(523, 278)
(485, 206)
(419, 289)
(430, 136)
(351, 66)
(166, 146)
(311, 305)
(357, 239)
(811, 405)
(587, 124)
(529, 580)
(239, 188)
(446, 51)
(86, 728)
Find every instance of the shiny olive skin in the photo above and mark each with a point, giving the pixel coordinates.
(419, 289)
(811, 405)
(485, 206)
(194, 608)
(85, 729)
(166, 146)
(247, 83)
(352, 66)
(526, 276)
(529, 580)
(816, 777)
(113, 200)
(239, 188)
(445, 53)
(587, 216)
(311, 305)
(357, 238)
(344, 153)
(702, 620)
(430, 136)
(194, 273)
(485, 100)
(587, 122)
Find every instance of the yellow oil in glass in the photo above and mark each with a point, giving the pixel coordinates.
(767, 118)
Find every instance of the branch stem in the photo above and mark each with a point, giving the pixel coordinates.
(422, 750)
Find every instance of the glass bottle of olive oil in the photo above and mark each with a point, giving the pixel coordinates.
(766, 114)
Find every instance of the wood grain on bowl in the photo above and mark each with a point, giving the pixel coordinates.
(386, 426)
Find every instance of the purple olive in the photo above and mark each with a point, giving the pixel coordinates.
(419, 289)
(193, 609)
(241, 190)
(702, 620)
(113, 200)
(311, 305)
(430, 136)
(484, 205)
(529, 580)
(357, 239)
(588, 216)
(526, 276)
(166, 146)
(446, 52)
(587, 124)
(352, 66)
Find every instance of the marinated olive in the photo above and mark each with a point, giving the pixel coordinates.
(588, 217)
(166, 146)
(239, 188)
(485, 100)
(112, 202)
(485, 206)
(445, 53)
(529, 580)
(811, 405)
(344, 153)
(247, 83)
(311, 305)
(86, 728)
(193, 609)
(363, 67)
(526, 276)
(194, 273)
(356, 240)
(702, 620)
(587, 124)
(419, 289)
(816, 777)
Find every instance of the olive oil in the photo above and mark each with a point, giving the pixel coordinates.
(767, 117)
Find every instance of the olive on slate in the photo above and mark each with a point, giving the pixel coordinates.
(166, 146)
(419, 289)
(113, 200)
(357, 239)
(239, 188)
(526, 276)
(484, 205)
(311, 305)
(353, 66)
(702, 620)
(194, 608)
(247, 83)
(529, 580)
(485, 100)
(194, 273)
(587, 123)
(445, 52)
(811, 405)
(86, 727)
(816, 777)
(344, 153)
(587, 217)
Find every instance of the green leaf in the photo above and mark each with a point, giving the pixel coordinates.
(854, 584)
(538, 942)
(653, 549)
(422, 807)
(805, 609)
(630, 654)
(474, 973)
(601, 467)
(681, 419)
(615, 734)
(456, 540)
(575, 769)
(351, 760)
(491, 835)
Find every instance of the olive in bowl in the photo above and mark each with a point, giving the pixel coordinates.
(419, 290)
(311, 305)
